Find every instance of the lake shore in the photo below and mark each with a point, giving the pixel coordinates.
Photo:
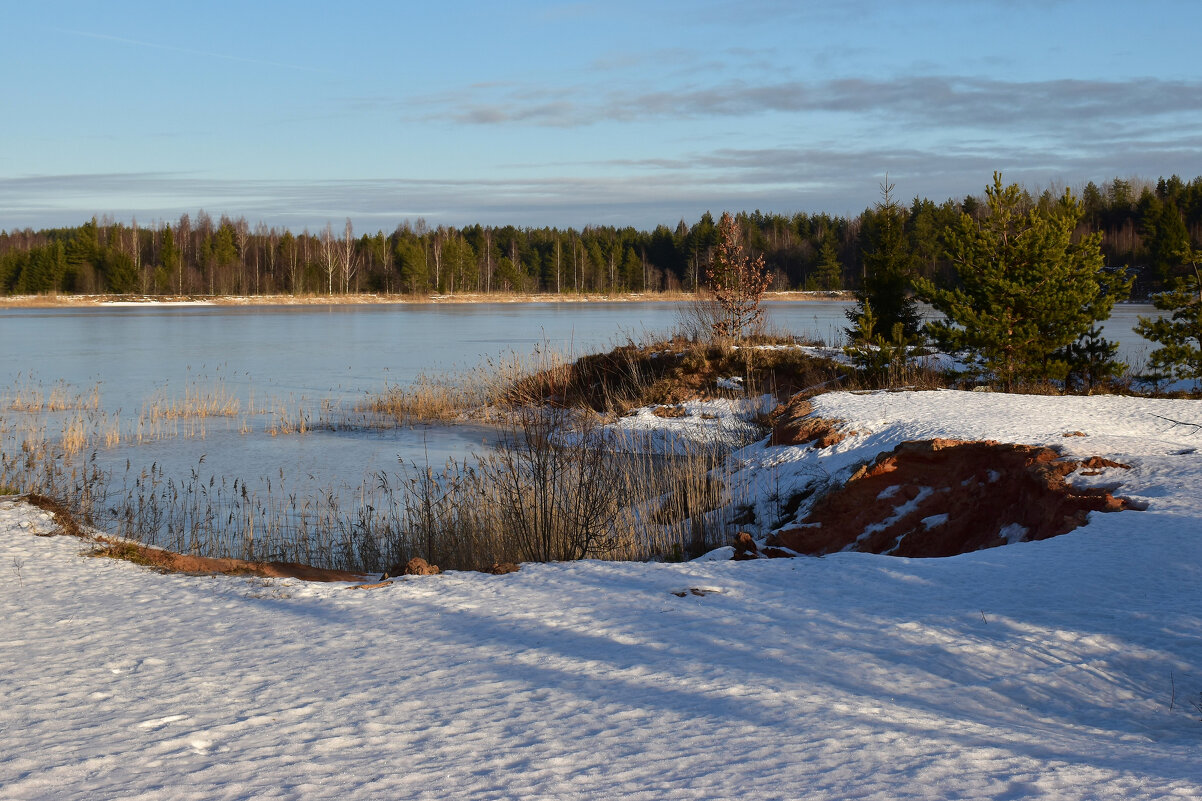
(1030, 667)
(73, 301)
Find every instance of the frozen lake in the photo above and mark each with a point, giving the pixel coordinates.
(304, 356)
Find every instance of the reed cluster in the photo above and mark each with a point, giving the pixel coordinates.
(558, 487)
(560, 484)
(29, 395)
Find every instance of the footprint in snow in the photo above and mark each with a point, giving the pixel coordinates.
(698, 591)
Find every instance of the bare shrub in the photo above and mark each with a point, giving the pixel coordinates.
(738, 283)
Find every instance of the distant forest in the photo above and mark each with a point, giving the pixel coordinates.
(1143, 225)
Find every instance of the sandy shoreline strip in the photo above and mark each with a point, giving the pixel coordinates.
(71, 301)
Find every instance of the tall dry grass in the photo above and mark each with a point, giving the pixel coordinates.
(29, 395)
(558, 487)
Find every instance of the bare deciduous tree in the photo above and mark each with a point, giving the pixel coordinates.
(738, 283)
(329, 257)
(347, 257)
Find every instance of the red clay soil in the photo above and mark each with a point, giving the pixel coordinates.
(944, 497)
(182, 563)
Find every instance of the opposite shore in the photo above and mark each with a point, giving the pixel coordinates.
(69, 301)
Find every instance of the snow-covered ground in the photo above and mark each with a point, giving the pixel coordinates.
(1160, 438)
(1066, 668)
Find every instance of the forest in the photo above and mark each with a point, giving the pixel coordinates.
(1143, 225)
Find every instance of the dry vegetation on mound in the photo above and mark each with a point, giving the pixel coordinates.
(662, 372)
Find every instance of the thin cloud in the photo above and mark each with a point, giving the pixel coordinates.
(1065, 104)
(642, 193)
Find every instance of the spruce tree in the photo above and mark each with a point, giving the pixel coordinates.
(1180, 333)
(1027, 287)
(829, 273)
(884, 294)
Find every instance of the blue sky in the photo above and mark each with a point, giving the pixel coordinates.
(540, 113)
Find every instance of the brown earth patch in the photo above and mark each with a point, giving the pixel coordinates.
(794, 423)
(63, 518)
(745, 547)
(502, 568)
(419, 567)
(945, 497)
(171, 562)
(669, 372)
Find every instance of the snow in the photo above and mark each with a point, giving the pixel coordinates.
(1064, 668)
(1013, 533)
(157, 303)
(723, 422)
(1150, 434)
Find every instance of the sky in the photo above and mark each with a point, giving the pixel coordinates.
(566, 114)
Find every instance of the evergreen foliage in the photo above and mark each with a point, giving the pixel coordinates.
(1180, 333)
(829, 273)
(1027, 287)
(884, 296)
(1091, 360)
(878, 357)
(1141, 224)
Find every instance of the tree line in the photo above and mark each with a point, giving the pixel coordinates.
(1029, 285)
(1141, 226)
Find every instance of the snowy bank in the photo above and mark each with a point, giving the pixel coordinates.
(1064, 668)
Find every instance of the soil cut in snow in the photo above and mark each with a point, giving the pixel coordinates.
(944, 497)
(794, 423)
(171, 562)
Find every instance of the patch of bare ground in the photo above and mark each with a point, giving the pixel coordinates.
(794, 423)
(945, 497)
(666, 373)
(66, 522)
(170, 562)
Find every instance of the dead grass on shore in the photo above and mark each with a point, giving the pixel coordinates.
(662, 371)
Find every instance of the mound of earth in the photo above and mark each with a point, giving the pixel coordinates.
(944, 497)
(794, 423)
(669, 372)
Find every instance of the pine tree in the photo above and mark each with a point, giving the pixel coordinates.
(1165, 237)
(1027, 288)
(1091, 360)
(120, 274)
(169, 260)
(829, 273)
(884, 295)
(1180, 334)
